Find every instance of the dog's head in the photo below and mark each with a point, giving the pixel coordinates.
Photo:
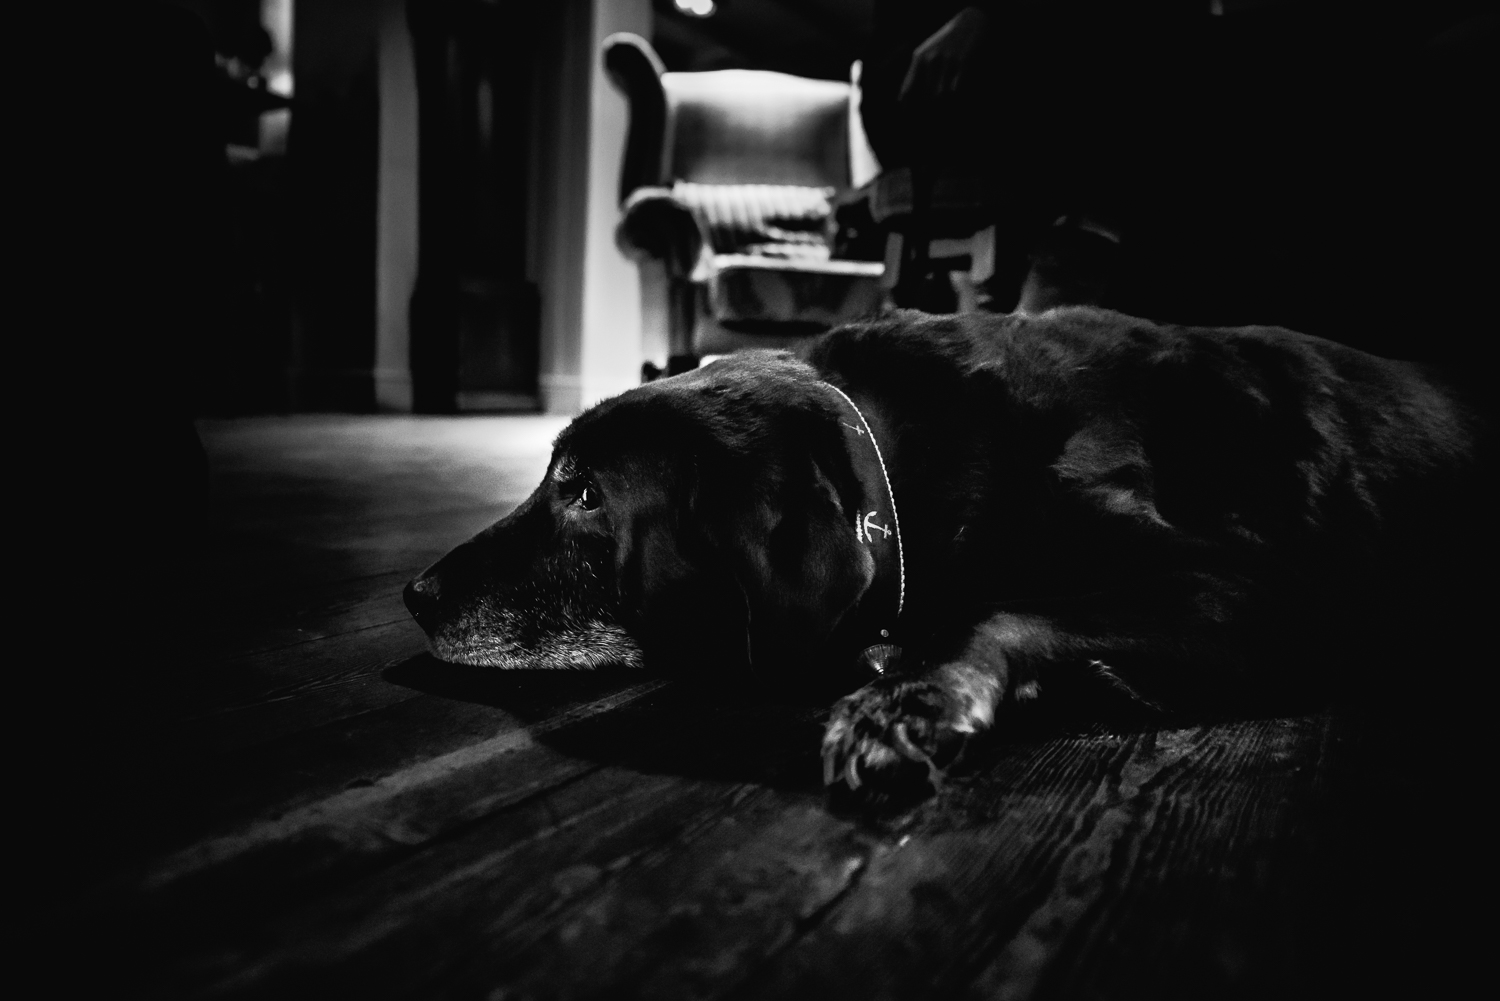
(700, 520)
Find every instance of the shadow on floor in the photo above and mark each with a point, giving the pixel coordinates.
(667, 729)
(739, 735)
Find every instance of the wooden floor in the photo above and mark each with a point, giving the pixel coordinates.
(311, 806)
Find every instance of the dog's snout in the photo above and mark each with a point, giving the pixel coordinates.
(421, 596)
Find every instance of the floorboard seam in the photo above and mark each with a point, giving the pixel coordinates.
(261, 651)
(803, 927)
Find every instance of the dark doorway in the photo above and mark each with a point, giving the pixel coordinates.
(474, 315)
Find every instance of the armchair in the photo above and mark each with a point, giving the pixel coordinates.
(727, 195)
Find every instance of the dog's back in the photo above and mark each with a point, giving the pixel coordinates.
(1080, 450)
(1226, 430)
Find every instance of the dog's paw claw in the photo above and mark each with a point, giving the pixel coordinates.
(889, 737)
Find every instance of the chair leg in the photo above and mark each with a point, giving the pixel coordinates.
(676, 365)
(683, 309)
(682, 305)
(918, 285)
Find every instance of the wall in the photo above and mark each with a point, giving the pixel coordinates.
(591, 310)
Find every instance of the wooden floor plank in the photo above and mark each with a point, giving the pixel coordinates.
(640, 869)
(267, 696)
(698, 921)
(1003, 887)
(265, 621)
(1183, 883)
(192, 798)
(357, 827)
(407, 929)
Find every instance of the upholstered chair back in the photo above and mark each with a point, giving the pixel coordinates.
(756, 127)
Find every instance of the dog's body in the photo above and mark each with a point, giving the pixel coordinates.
(1191, 517)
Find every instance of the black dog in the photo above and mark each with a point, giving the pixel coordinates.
(980, 508)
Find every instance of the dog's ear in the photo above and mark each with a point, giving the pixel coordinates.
(728, 571)
(798, 561)
(681, 599)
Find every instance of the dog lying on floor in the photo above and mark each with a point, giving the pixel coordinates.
(960, 512)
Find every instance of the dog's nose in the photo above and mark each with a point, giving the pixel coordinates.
(421, 597)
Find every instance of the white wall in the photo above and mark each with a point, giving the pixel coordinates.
(591, 308)
(612, 348)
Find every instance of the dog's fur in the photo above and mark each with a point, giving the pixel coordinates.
(1192, 517)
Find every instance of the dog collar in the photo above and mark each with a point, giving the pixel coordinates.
(878, 527)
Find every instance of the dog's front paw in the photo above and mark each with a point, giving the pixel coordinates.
(893, 736)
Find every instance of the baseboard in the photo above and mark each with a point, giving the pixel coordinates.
(393, 392)
(571, 394)
(561, 394)
(490, 400)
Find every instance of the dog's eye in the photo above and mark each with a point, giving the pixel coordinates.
(588, 498)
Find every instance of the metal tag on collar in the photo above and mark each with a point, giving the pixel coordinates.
(881, 658)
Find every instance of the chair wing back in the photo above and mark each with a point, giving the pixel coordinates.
(637, 71)
(756, 127)
(727, 126)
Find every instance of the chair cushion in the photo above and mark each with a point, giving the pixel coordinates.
(766, 220)
(751, 291)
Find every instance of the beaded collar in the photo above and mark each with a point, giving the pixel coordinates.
(878, 526)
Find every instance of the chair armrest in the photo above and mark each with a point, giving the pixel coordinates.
(656, 224)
